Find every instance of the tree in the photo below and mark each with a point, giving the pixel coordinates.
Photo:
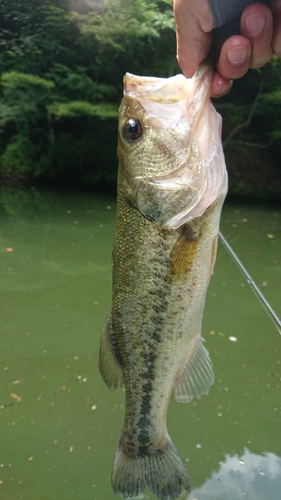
(82, 53)
(251, 128)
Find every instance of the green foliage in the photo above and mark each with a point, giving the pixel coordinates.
(22, 157)
(251, 132)
(24, 100)
(62, 65)
(250, 108)
(78, 85)
(18, 155)
(15, 80)
(82, 108)
(138, 19)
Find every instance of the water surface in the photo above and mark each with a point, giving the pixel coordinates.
(59, 422)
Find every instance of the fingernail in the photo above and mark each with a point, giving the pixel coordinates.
(237, 55)
(254, 24)
(222, 88)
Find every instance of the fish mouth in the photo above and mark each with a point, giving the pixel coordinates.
(165, 90)
(167, 101)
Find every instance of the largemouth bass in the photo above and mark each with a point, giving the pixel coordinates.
(172, 183)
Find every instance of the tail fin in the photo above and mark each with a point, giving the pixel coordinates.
(162, 472)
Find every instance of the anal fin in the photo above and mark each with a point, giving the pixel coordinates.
(197, 378)
(109, 366)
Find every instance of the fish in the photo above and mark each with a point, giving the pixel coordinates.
(172, 182)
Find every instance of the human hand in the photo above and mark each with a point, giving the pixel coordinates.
(260, 38)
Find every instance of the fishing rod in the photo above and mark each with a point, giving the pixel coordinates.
(272, 314)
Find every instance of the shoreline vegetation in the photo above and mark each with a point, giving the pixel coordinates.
(61, 71)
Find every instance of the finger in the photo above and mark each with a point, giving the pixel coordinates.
(276, 38)
(257, 26)
(190, 56)
(193, 42)
(220, 85)
(234, 57)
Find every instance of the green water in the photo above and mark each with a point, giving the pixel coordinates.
(59, 424)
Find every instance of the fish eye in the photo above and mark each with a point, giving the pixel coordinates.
(132, 129)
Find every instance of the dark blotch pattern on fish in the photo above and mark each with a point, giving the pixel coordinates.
(160, 303)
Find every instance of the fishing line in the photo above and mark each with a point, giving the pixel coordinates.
(272, 314)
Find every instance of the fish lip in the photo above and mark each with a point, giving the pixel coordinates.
(165, 90)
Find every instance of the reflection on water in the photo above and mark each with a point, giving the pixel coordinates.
(248, 476)
(59, 424)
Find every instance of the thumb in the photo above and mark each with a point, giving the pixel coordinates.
(194, 22)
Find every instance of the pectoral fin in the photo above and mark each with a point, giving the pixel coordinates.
(183, 253)
(109, 366)
(197, 378)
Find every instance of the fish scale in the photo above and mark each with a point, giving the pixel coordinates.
(168, 209)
